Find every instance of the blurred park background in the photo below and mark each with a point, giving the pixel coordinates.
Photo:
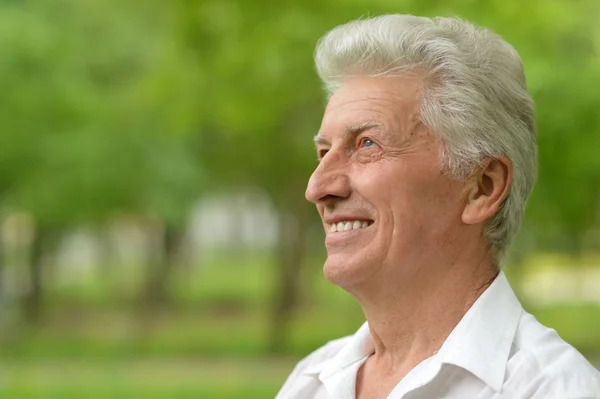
(155, 241)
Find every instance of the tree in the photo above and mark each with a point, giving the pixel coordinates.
(108, 134)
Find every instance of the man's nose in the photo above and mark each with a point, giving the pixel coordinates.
(330, 181)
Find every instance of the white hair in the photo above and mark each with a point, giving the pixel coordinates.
(474, 96)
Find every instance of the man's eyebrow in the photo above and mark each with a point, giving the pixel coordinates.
(360, 127)
(320, 140)
(351, 130)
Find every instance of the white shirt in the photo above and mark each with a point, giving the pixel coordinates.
(496, 351)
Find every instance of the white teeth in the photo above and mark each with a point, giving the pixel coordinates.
(345, 226)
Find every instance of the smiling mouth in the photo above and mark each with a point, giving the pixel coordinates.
(347, 225)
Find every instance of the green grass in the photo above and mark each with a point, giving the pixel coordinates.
(133, 378)
(94, 343)
(176, 333)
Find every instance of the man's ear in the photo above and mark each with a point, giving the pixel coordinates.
(487, 188)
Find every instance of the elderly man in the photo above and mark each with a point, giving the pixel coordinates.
(427, 156)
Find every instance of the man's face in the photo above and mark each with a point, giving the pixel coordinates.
(380, 184)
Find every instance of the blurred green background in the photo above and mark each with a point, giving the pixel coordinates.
(155, 241)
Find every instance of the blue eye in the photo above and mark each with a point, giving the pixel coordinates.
(367, 143)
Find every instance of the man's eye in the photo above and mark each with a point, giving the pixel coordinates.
(366, 142)
(322, 153)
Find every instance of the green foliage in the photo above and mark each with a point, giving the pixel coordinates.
(93, 110)
(141, 107)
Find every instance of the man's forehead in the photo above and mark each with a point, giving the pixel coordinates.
(366, 103)
(372, 98)
(380, 89)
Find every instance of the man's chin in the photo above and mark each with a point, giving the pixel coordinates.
(345, 272)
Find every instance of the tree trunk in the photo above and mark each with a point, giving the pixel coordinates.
(290, 257)
(3, 296)
(578, 263)
(161, 266)
(33, 298)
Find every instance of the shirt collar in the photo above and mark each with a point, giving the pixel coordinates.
(358, 347)
(482, 340)
(480, 343)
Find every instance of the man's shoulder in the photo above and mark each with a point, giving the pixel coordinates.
(545, 348)
(550, 363)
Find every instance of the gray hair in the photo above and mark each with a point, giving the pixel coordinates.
(474, 96)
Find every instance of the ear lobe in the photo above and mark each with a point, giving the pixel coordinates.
(489, 187)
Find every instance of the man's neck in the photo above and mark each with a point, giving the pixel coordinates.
(410, 322)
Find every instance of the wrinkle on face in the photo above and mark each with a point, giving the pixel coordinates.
(402, 133)
(396, 181)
